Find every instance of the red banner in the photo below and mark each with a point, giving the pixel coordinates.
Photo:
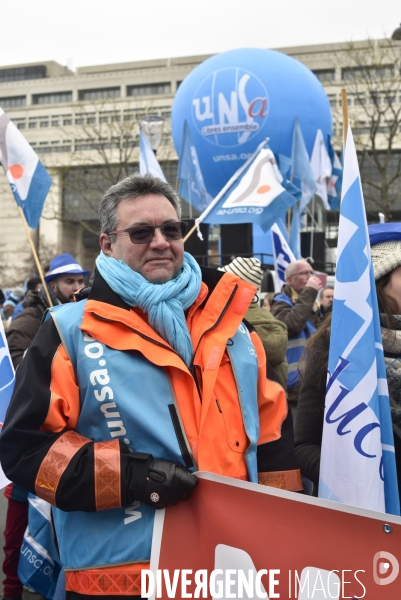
(286, 545)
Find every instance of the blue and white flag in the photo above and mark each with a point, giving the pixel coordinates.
(28, 179)
(255, 194)
(282, 257)
(7, 380)
(41, 573)
(7, 375)
(357, 459)
(321, 167)
(192, 186)
(335, 181)
(148, 162)
(301, 170)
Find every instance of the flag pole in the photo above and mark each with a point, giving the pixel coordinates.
(345, 114)
(35, 255)
(224, 189)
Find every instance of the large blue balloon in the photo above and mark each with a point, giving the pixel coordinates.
(232, 101)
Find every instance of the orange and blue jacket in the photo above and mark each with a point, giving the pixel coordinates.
(98, 386)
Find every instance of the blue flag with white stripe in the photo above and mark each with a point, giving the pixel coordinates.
(28, 179)
(7, 375)
(357, 459)
(282, 257)
(7, 381)
(192, 186)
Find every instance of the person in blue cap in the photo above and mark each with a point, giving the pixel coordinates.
(385, 241)
(65, 278)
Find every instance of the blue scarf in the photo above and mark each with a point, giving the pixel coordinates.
(163, 303)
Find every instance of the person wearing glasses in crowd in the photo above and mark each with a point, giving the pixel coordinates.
(296, 306)
(123, 394)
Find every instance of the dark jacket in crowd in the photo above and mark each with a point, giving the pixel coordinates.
(274, 336)
(295, 317)
(23, 328)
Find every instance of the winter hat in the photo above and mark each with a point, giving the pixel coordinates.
(247, 269)
(385, 241)
(64, 263)
(18, 292)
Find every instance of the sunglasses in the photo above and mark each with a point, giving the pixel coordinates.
(143, 234)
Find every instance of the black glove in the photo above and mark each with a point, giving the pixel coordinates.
(167, 483)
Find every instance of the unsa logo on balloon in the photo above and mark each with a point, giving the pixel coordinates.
(230, 106)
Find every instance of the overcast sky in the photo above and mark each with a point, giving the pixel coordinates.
(86, 32)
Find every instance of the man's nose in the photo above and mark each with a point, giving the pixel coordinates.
(158, 240)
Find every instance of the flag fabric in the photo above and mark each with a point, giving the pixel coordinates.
(7, 380)
(301, 167)
(335, 181)
(255, 194)
(321, 168)
(282, 257)
(357, 459)
(192, 186)
(148, 162)
(295, 231)
(28, 179)
(41, 574)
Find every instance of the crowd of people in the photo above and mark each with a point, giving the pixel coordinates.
(160, 368)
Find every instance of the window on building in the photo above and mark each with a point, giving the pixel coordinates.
(367, 73)
(22, 73)
(99, 94)
(332, 99)
(149, 89)
(11, 101)
(44, 123)
(21, 125)
(115, 119)
(79, 121)
(67, 122)
(32, 124)
(325, 75)
(90, 120)
(52, 98)
(103, 119)
(56, 122)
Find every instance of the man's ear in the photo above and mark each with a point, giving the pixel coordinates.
(52, 284)
(105, 244)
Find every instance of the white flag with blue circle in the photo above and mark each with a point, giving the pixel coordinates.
(357, 459)
(28, 179)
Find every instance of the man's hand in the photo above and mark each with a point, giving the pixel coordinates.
(314, 282)
(167, 484)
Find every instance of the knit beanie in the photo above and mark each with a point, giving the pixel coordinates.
(247, 269)
(386, 256)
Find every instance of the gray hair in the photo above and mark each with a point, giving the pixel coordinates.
(132, 187)
(293, 267)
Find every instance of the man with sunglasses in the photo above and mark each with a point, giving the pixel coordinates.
(296, 306)
(151, 376)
